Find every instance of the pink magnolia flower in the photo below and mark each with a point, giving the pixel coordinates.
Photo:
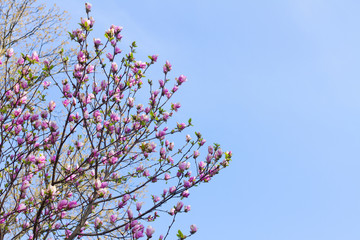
(185, 193)
(167, 176)
(25, 185)
(114, 67)
(184, 165)
(154, 58)
(79, 144)
(167, 67)
(187, 184)
(21, 207)
(46, 84)
(130, 214)
(149, 231)
(172, 211)
(52, 106)
(130, 102)
(90, 69)
(175, 106)
(20, 61)
(113, 218)
(66, 102)
(9, 53)
(156, 199)
(196, 154)
(110, 57)
(62, 204)
(97, 42)
(139, 205)
(179, 206)
(193, 229)
(20, 140)
(181, 79)
(63, 214)
(172, 189)
(35, 56)
(97, 222)
(126, 197)
(72, 204)
(97, 184)
(117, 50)
(81, 57)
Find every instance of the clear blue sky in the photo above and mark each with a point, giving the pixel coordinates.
(278, 83)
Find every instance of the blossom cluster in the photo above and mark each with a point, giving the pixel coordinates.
(77, 165)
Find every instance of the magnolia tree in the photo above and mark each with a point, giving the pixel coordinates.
(77, 151)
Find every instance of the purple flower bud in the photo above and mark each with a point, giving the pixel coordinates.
(175, 88)
(46, 84)
(110, 56)
(63, 214)
(179, 206)
(25, 185)
(81, 57)
(175, 106)
(20, 140)
(187, 208)
(35, 57)
(139, 205)
(62, 204)
(146, 173)
(172, 189)
(21, 207)
(181, 79)
(21, 61)
(154, 58)
(149, 231)
(218, 154)
(126, 197)
(130, 214)
(184, 165)
(210, 150)
(9, 53)
(52, 106)
(114, 67)
(97, 223)
(167, 67)
(156, 199)
(187, 184)
(117, 50)
(72, 204)
(196, 154)
(97, 42)
(97, 184)
(90, 69)
(193, 229)
(130, 102)
(113, 218)
(185, 193)
(25, 225)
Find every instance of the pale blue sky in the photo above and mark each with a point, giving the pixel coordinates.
(278, 83)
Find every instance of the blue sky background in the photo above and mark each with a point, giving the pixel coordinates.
(277, 82)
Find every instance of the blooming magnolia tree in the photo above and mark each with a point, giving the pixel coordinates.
(77, 167)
